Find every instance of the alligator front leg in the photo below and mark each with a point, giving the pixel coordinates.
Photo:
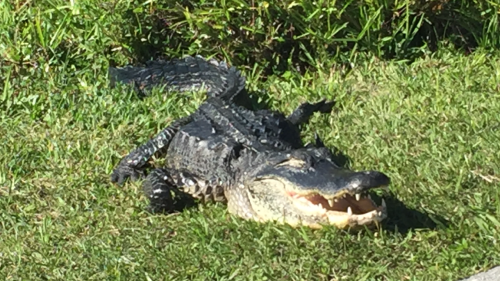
(163, 192)
(134, 165)
(158, 188)
(169, 190)
(304, 111)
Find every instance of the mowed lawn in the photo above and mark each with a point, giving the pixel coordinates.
(433, 126)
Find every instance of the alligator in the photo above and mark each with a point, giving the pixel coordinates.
(253, 160)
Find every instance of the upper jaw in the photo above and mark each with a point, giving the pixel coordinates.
(336, 183)
(323, 176)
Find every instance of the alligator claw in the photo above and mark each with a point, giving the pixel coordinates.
(128, 169)
(318, 140)
(122, 173)
(305, 110)
(325, 106)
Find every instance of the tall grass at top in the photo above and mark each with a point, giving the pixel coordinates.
(279, 35)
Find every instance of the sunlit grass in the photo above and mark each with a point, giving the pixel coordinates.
(432, 126)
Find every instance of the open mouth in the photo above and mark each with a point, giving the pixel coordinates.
(342, 210)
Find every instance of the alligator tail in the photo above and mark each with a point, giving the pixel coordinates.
(186, 74)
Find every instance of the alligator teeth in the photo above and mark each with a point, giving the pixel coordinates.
(358, 196)
(331, 202)
(304, 200)
(335, 199)
(349, 211)
(383, 203)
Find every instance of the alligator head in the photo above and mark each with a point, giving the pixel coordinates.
(305, 187)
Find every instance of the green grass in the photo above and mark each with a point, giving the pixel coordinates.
(433, 126)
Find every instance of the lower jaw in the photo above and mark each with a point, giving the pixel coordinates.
(339, 225)
(341, 221)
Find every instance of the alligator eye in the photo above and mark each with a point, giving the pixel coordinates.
(293, 162)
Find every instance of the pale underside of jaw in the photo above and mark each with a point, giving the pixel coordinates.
(342, 211)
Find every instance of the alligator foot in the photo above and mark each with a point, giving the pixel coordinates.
(163, 193)
(133, 166)
(304, 111)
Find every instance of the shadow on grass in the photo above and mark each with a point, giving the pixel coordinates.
(401, 219)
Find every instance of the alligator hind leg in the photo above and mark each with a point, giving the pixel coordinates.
(133, 165)
(163, 192)
(304, 111)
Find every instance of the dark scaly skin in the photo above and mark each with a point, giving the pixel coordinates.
(134, 164)
(187, 74)
(224, 152)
